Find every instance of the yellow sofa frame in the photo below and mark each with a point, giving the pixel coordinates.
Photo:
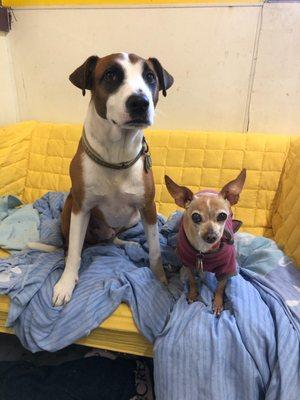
(35, 157)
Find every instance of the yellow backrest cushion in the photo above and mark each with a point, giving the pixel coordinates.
(51, 150)
(15, 142)
(36, 158)
(209, 160)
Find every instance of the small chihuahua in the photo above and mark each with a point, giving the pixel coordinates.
(205, 238)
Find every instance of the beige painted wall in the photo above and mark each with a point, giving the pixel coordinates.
(275, 105)
(8, 111)
(209, 50)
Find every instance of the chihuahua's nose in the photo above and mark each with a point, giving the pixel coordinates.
(210, 237)
(137, 104)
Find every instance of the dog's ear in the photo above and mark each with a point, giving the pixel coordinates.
(231, 191)
(165, 80)
(181, 194)
(82, 77)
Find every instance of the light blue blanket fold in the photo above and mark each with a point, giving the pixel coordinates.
(251, 352)
(19, 224)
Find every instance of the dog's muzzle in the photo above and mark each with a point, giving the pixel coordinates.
(210, 238)
(137, 107)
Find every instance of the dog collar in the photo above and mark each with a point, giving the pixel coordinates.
(123, 165)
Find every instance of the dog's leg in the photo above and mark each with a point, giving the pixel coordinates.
(149, 220)
(219, 296)
(193, 290)
(183, 274)
(64, 288)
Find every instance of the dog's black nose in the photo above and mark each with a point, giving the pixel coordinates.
(137, 104)
(210, 238)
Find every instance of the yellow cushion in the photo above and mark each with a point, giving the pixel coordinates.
(209, 160)
(3, 254)
(14, 152)
(37, 156)
(286, 217)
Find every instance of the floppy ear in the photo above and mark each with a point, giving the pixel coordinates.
(181, 194)
(165, 80)
(231, 191)
(82, 77)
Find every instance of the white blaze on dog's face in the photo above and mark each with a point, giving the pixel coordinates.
(124, 87)
(132, 104)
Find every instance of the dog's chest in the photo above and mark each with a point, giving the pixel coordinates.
(117, 193)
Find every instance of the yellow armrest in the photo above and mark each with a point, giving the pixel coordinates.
(286, 216)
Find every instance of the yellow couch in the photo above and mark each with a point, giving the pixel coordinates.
(34, 159)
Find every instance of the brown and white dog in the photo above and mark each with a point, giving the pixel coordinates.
(112, 194)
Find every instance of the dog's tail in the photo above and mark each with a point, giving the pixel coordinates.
(42, 247)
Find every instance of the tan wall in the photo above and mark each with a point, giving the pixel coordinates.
(8, 111)
(209, 50)
(275, 104)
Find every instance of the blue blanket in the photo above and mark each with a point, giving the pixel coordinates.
(251, 352)
(18, 223)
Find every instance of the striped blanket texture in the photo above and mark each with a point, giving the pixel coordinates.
(251, 352)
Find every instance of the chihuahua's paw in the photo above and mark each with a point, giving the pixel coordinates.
(161, 276)
(158, 270)
(218, 305)
(63, 290)
(192, 297)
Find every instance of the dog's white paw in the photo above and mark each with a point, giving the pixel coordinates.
(63, 290)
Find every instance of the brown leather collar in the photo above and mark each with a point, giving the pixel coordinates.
(123, 165)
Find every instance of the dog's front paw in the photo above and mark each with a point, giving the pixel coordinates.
(218, 305)
(158, 270)
(161, 276)
(192, 296)
(63, 290)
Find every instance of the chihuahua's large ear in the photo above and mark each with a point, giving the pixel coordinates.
(181, 194)
(82, 77)
(165, 80)
(231, 191)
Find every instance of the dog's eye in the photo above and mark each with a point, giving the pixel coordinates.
(221, 217)
(150, 77)
(196, 217)
(110, 76)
